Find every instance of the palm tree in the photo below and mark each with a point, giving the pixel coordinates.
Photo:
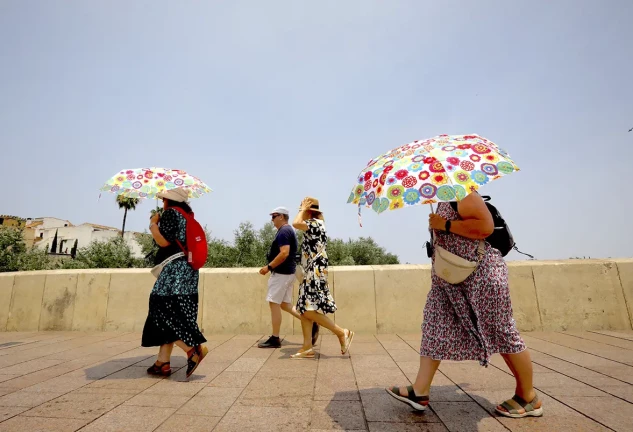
(127, 204)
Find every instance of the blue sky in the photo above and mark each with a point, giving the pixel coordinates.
(271, 101)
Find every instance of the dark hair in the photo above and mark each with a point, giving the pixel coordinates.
(182, 205)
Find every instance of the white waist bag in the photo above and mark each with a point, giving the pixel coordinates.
(455, 269)
(156, 270)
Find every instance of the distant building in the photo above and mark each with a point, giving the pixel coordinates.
(12, 221)
(40, 233)
(36, 229)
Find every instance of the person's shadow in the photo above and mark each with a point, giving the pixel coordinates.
(454, 410)
(126, 368)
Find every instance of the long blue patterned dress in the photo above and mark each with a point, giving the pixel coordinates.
(173, 302)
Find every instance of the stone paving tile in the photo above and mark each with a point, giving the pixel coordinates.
(627, 335)
(609, 340)
(130, 378)
(205, 373)
(30, 366)
(4, 377)
(359, 348)
(607, 367)
(556, 417)
(98, 382)
(8, 412)
(78, 406)
(404, 427)
(373, 361)
(41, 424)
(175, 388)
(211, 401)
(611, 412)
(337, 415)
(599, 349)
(155, 400)
(471, 376)
(380, 407)
(188, 424)
(466, 417)
(264, 419)
(246, 365)
(130, 418)
(23, 398)
(232, 379)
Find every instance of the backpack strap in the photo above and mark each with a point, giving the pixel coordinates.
(186, 216)
(522, 253)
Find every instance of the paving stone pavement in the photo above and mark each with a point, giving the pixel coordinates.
(68, 381)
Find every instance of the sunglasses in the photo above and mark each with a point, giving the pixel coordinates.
(274, 215)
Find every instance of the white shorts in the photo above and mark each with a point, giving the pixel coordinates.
(280, 288)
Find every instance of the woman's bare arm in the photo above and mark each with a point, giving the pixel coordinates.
(299, 221)
(476, 220)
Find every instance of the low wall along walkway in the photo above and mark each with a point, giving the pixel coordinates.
(550, 296)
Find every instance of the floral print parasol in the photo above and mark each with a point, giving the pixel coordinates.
(438, 169)
(147, 182)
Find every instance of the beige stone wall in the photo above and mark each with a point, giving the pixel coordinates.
(546, 295)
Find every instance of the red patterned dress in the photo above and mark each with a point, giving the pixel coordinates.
(471, 320)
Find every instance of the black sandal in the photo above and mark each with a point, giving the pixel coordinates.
(159, 368)
(417, 402)
(194, 357)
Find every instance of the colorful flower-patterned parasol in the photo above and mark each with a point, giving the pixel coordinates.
(442, 168)
(147, 182)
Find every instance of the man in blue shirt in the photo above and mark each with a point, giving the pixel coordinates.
(282, 266)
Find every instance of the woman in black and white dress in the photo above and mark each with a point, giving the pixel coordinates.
(315, 300)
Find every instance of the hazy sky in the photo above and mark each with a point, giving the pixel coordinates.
(269, 101)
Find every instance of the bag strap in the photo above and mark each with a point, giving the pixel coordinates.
(171, 258)
(186, 216)
(522, 253)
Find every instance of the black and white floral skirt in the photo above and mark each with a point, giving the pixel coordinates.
(172, 318)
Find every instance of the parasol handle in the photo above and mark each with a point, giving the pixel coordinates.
(432, 211)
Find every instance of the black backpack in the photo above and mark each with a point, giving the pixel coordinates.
(501, 238)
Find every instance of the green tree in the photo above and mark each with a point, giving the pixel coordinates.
(11, 247)
(126, 204)
(36, 259)
(365, 251)
(265, 237)
(221, 254)
(113, 253)
(148, 245)
(246, 245)
(14, 255)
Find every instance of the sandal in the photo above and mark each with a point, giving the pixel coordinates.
(347, 341)
(159, 368)
(193, 360)
(308, 354)
(517, 407)
(417, 402)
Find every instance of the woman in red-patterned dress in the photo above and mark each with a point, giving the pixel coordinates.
(471, 320)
